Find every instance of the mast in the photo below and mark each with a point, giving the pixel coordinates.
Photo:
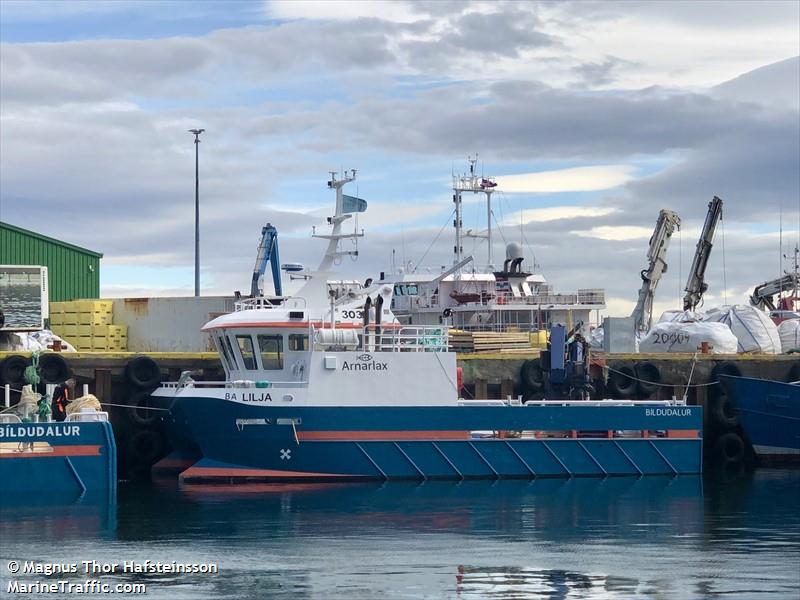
(472, 182)
(334, 252)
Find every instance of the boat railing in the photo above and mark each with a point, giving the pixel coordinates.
(234, 384)
(88, 416)
(265, 302)
(405, 338)
(7, 418)
(541, 300)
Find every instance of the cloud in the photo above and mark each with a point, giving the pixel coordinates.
(594, 102)
(555, 213)
(616, 233)
(575, 179)
(386, 10)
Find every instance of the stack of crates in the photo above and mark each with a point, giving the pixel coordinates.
(87, 325)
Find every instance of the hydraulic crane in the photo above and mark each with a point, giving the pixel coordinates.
(696, 284)
(267, 252)
(762, 296)
(667, 222)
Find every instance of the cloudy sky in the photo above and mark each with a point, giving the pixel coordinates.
(593, 116)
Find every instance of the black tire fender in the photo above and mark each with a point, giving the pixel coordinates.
(649, 375)
(532, 376)
(729, 449)
(141, 412)
(622, 382)
(794, 373)
(726, 367)
(145, 447)
(143, 372)
(722, 411)
(54, 368)
(12, 370)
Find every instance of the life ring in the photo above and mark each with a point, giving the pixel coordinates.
(460, 378)
(141, 403)
(143, 372)
(728, 450)
(54, 368)
(12, 370)
(532, 376)
(622, 382)
(649, 376)
(145, 447)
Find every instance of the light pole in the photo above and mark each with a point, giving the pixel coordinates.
(196, 133)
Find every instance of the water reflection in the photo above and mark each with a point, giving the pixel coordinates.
(655, 537)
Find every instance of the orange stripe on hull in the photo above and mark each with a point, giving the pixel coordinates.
(226, 472)
(56, 451)
(683, 433)
(391, 436)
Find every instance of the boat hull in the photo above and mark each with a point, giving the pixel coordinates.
(58, 458)
(246, 442)
(769, 414)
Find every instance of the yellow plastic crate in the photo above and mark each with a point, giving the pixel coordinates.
(99, 331)
(56, 308)
(81, 342)
(117, 344)
(70, 330)
(116, 331)
(84, 330)
(56, 318)
(94, 318)
(94, 306)
(70, 318)
(99, 344)
(69, 307)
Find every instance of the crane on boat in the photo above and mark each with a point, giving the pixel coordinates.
(696, 285)
(668, 221)
(267, 253)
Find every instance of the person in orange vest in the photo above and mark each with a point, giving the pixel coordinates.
(62, 396)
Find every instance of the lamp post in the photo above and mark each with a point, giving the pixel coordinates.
(196, 133)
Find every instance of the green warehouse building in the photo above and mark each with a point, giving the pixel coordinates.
(73, 272)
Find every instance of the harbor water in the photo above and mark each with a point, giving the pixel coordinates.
(655, 537)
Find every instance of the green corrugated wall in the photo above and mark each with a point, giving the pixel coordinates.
(73, 272)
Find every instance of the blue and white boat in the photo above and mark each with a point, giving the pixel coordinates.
(329, 385)
(769, 414)
(76, 457)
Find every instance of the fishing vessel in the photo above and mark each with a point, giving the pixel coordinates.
(77, 456)
(471, 296)
(769, 414)
(330, 385)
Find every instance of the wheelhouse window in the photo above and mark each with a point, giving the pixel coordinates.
(298, 342)
(226, 341)
(246, 348)
(271, 348)
(223, 352)
(412, 290)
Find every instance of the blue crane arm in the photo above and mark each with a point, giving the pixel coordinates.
(267, 253)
